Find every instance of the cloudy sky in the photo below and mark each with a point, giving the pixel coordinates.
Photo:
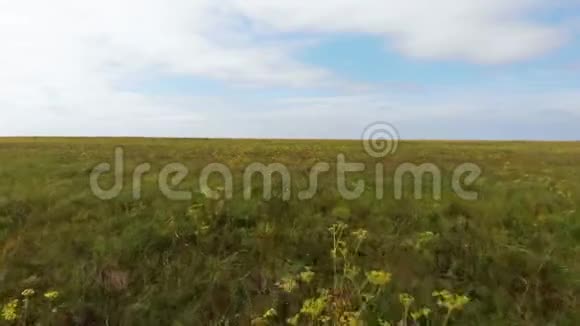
(456, 69)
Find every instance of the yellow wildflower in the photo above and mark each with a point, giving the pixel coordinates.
(420, 313)
(360, 234)
(406, 299)
(271, 313)
(288, 284)
(306, 276)
(51, 295)
(28, 292)
(424, 238)
(9, 310)
(337, 228)
(451, 301)
(293, 320)
(350, 318)
(315, 306)
(379, 278)
(324, 319)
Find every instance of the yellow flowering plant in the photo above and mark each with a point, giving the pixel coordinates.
(10, 310)
(306, 276)
(270, 313)
(451, 302)
(406, 300)
(314, 307)
(51, 295)
(423, 312)
(288, 284)
(378, 278)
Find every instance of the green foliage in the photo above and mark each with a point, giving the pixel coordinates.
(509, 258)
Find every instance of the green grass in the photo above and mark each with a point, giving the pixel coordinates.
(515, 252)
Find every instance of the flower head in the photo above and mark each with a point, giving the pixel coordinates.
(424, 238)
(379, 278)
(337, 228)
(9, 310)
(51, 295)
(315, 306)
(271, 313)
(293, 320)
(406, 299)
(288, 284)
(450, 300)
(420, 313)
(306, 276)
(360, 234)
(350, 318)
(28, 292)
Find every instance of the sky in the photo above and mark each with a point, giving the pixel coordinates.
(447, 69)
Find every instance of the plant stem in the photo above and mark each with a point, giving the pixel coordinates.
(447, 316)
(405, 314)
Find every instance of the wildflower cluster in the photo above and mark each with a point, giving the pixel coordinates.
(306, 276)
(351, 297)
(423, 312)
(314, 307)
(451, 301)
(10, 309)
(360, 234)
(270, 313)
(18, 308)
(406, 299)
(51, 295)
(423, 239)
(350, 318)
(288, 284)
(379, 278)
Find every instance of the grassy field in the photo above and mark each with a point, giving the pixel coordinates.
(512, 257)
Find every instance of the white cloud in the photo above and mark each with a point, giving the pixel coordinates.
(62, 61)
(442, 114)
(484, 31)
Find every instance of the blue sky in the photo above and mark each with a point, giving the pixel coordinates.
(231, 68)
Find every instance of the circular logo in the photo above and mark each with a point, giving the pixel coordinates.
(380, 139)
